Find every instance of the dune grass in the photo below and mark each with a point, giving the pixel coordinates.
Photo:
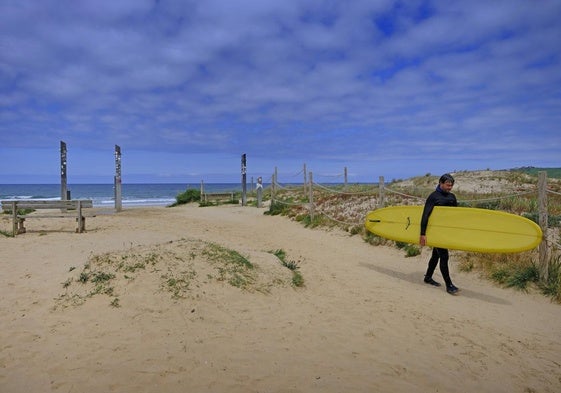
(297, 278)
(346, 210)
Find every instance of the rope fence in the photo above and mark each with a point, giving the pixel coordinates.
(352, 210)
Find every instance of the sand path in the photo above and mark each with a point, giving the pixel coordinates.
(364, 322)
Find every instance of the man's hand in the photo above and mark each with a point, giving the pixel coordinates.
(423, 240)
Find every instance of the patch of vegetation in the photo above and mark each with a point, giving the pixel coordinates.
(278, 208)
(313, 222)
(180, 268)
(552, 220)
(552, 286)
(533, 171)
(188, 196)
(179, 283)
(232, 267)
(92, 282)
(297, 278)
(374, 239)
(517, 271)
(20, 212)
(411, 250)
(234, 200)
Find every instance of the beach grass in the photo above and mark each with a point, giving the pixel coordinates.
(180, 268)
(346, 207)
(293, 266)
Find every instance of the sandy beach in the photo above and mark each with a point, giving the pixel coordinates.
(363, 322)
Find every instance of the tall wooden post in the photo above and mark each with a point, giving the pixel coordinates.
(63, 179)
(259, 191)
(543, 222)
(244, 180)
(311, 197)
(273, 188)
(381, 186)
(305, 180)
(202, 190)
(346, 180)
(117, 181)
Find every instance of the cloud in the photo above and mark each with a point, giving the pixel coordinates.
(293, 79)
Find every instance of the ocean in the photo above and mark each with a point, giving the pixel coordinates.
(103, 195)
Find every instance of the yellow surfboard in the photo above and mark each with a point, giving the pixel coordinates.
(457, 228)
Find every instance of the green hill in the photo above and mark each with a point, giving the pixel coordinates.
(530, 170)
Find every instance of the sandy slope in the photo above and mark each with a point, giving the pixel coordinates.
(364, 322)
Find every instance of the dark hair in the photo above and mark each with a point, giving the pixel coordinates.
(446, 177)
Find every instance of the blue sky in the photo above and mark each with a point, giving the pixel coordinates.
(383, 88)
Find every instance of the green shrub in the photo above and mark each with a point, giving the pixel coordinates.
(188, 196)
(412, 250)
(552, 286)
(277, 208)
(373, 239)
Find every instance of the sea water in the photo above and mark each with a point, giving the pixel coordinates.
(103, 195)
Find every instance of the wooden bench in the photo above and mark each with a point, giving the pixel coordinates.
(18, 219)
(218, 197)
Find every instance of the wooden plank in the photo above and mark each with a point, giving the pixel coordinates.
(42, 204)
(215, 196)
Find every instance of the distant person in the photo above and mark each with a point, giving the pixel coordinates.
(442, 196)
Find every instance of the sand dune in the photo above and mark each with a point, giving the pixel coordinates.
(363, 322)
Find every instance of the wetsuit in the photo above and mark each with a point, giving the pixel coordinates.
(437, 198)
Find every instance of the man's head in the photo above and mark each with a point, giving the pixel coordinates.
(446, 182)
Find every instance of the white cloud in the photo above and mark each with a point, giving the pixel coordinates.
(322, 79)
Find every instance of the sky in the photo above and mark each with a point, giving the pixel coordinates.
(379, 88)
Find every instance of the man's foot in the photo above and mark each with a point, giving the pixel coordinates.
(452, 289)
(430, 281)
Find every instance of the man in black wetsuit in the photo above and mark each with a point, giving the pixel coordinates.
(442, 196)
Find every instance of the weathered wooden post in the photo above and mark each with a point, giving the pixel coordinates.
(305, 180)
(259, 191)
(117, 181)
(202, 190)
(311, 197)
(543, 222)
(244, 184)
(63, 179)
(273, 188)
(346, 180)
(381, 202)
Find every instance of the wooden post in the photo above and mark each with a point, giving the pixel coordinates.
(273, 188)
(382, 201)
(346, 180)
(80, 218)
(14, 219)
(259, 191)
(244, 180)
(543, 222)
(63, 162)
(63, 177)
(311, 198)
(305, 180)
(117, 180)
(202, 190)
